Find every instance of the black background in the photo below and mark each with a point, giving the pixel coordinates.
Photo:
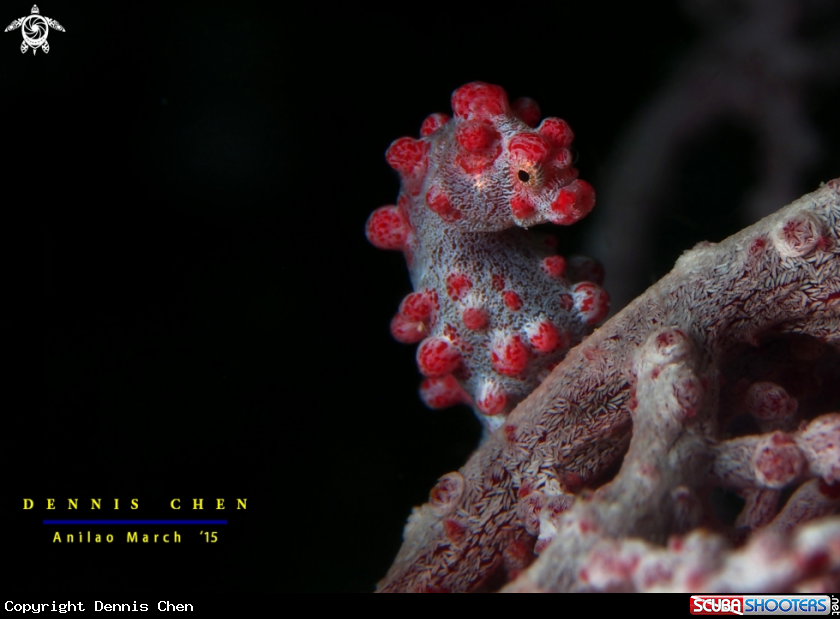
(192, 307)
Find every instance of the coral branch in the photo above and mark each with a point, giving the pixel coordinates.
(724, 373)
(700, 562)
(761, 70)
(655, 495)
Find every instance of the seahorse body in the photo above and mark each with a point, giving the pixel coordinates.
(494, 308)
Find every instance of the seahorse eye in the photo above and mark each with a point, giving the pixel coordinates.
(528, 174)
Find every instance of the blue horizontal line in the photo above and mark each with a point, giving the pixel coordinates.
(135, 522)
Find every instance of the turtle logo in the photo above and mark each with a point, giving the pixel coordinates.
(35, 29)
